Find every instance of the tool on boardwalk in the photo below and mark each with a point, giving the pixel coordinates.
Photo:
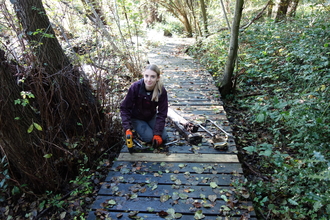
(172, 142)
(220, 142)
(187, 129)
(132, 143)
(220, 128)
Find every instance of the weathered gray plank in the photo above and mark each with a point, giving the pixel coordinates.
(184, 206)
(127, 215)
(209, 168)
(170, 178)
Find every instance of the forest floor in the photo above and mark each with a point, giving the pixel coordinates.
(75, 204)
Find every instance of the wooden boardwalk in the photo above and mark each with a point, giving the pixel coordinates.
(181, 181)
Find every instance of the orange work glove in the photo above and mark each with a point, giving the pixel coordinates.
(129, 138)
(157, 140)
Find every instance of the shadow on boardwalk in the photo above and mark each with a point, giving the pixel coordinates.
(183, 181)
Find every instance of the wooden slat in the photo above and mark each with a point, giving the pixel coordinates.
(181, 206)
(169, 178)
(197, 158)
(209, 168)
(142, 190)
(114, 214)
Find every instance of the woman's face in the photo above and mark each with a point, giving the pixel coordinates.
(150, 79)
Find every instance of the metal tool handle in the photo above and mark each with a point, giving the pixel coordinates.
(220, 128)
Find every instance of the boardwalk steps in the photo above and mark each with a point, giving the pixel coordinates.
(181, 181)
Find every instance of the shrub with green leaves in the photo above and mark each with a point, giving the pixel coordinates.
(285, 89)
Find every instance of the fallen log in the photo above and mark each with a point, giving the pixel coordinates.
(186, 128)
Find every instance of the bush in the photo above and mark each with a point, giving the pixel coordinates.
(285, 93)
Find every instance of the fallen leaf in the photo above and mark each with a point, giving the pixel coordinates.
(199, 215)
(149, 209)
(208, 205)
(182, 165)
(212, 198)
(183, 196)
(213, 185)
(133, 214)
(197, 204)
(162, 214)
(164, 198)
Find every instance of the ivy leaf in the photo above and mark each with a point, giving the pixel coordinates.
(292, 202)
(260, 118)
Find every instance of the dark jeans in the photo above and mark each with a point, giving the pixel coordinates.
(145, 129)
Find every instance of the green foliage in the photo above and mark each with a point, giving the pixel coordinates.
(285, 89)
(212, 52)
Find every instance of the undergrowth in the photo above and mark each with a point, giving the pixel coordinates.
(280, 113)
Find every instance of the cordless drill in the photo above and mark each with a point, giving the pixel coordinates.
(129, 138)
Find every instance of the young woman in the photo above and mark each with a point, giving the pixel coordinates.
(145, 106)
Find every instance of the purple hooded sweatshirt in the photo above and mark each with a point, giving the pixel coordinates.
(137, 104)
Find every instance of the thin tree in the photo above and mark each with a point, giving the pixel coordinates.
(205, 21)
(293, 8)
(282, 9)
(226, 83)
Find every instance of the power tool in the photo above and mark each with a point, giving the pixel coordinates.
(129, 138)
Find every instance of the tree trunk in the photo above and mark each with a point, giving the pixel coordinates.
(41, 35)
(293, 8)
(205, 21)
(179, 9)
(270, 8)
(63, 108)
(282, 8)
(226, 83)
(225, 14)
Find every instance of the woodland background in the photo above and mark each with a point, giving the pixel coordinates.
(66, 65)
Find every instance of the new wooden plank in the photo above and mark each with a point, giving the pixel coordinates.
(196, 158)
(206, 168)
(205, 148)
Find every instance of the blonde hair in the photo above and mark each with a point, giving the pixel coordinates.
(159, 84)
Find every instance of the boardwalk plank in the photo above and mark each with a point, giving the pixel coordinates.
(184, 206)
(181, 167)
(206, 148)
(195, 158)
(170, 178)
(154, 216)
